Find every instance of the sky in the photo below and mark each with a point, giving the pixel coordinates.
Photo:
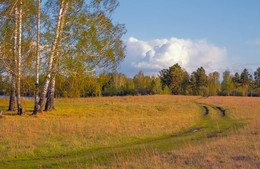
(216, 34)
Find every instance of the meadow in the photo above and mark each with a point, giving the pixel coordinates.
(158, 131)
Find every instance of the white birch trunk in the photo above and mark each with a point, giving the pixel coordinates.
(51, 92)
(62, 13)
(18, 80)
(13, 71)
(37, 59)
(51, 89)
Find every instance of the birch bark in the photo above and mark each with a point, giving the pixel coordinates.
(50, 98)
(59, 28)
(51, 89)
(18, 80)
(36, 107)
(12, 89)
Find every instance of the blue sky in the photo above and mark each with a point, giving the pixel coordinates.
(216, 34)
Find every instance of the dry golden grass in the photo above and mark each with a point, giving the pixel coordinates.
(82, 124)
(240, 107)
(239, 148)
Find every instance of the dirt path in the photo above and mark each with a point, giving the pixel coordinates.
(206, 128)
(205, 106)
(206, 110)
(223, 111)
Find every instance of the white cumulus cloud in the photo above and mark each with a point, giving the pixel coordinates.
(152, 56)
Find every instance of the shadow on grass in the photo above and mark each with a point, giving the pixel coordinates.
(28, 111)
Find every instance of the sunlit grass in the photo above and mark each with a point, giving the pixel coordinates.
(82, 124)
(134, 132)
(238, 147)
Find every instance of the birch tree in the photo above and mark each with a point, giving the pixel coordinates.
(94, 43)
(15, 41)
(84, 34)
(14, 60)
(77, 31)
(9, 26)
(37, 60)
(19, 59)
(63, 6)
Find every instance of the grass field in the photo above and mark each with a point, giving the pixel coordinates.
(134, 132)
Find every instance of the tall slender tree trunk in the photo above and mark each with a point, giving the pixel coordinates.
(50, 96)
(49, 106)
(51, 90)
(36, 107)
(13, 71)
(18, 80)
(59, 28)
(12, 94)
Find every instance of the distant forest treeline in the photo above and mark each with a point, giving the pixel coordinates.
(174, 80)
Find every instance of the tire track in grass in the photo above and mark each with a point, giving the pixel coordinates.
(218, 108)
(223, 111)
(206, 110)
(223, 114)
(205, 129)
